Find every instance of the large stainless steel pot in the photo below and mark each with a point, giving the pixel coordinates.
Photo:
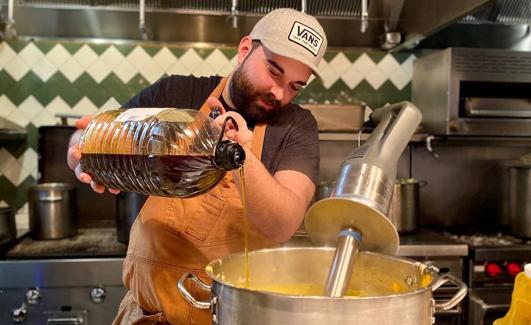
(520, 199)
(394, 290)
(404, 209)
(8, 229)
(52, 210)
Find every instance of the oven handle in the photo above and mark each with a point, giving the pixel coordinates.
(452, 302)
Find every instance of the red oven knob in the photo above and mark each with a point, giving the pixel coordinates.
(493, 269)
(513, 268)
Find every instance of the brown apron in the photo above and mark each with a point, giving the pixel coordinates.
(172, 236)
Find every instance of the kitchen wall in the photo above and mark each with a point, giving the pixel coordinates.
(41, 78)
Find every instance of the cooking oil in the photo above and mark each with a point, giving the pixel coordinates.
(245, 227)
(520, 310)
(157, 151)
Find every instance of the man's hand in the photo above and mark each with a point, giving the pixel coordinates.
(243, 136)
(74, 156)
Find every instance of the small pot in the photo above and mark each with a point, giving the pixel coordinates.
(404, 207)
(52, 210)
(520, 199)
(8, 229)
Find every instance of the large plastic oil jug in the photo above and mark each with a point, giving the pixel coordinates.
(520, 310)
(158, 151)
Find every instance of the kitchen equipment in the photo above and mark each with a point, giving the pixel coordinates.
(8, 228)
(466, 91)
(53, 168)
(519, 198)
(494, 259)
(356, 211)
(52, 210)
(403, 296)
(404, 208)
(128, 206)
(324, 190)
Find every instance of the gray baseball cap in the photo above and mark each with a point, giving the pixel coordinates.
(292, 34)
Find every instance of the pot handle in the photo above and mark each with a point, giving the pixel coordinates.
(187, 296)
(452, 302)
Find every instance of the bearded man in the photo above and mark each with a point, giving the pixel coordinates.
(172, 236)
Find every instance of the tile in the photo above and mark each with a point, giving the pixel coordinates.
(6, 82)
(58, 106)
(15, 173)
(352, 77)
(31, 54)
(29, 160)
(229, 52)
(203, 70)
(18, 117)
(33, 138)
(204, 52)
(6, 159)
(376, 56)
(17, 68)
(6, 53)
(119, 90)
(165, 58)
(44, 46)
(64, 88)
(6, 106)
(58, 55)
(84, 107)
(43, 118)
(217, 60)
(152, 72)
(177, 50)
(112, 57)
(98, 70)
(136, 85)
(44, 69)
(364, 64)
(191, 60)
(226, 70)
(71, 69)
(400, 57)
(340, 64)
(328, 75)
(388, 65)
(376, 78)
(72, 47)
(24, 88)
(138, 58)
(407, 65)
(178, 69)
(99, 49)
(399, 78)
(94, 91)
(111, 104)
(17, 45)
(125, 49)
(125, 71)
(329, 55)
(151, 50)
(30, 107)
(85, 56)
(352, 56)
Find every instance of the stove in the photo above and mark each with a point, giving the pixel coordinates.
(495, 258)
(75, 280)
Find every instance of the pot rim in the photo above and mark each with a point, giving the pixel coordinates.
(208, 270)
(51, 186)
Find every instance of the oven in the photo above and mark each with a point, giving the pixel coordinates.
(494, 261)
(474, 92)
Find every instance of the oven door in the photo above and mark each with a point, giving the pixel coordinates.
(485, 305)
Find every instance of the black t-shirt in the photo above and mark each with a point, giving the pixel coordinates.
(291, 141)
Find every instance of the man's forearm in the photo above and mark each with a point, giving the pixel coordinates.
(274, 209)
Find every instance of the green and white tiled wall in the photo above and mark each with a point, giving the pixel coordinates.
(41, 78)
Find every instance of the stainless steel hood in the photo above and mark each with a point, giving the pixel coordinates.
(388, 24)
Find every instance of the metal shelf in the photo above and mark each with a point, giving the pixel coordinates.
(418, 137)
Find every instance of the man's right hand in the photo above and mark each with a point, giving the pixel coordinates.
(74, 156)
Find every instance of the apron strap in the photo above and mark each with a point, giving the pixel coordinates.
(259, 130)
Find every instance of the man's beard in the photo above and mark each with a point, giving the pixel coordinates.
(246, 99)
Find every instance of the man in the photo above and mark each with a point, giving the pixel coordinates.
(173, 236)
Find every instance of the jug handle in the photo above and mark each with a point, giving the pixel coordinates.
(188, 296)
(452, 302)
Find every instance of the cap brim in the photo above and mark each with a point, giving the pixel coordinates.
(288, 52)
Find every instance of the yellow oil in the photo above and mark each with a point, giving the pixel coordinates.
(520, 310)
(245, 227)
(301, 289)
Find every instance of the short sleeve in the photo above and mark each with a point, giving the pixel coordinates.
(301, 150)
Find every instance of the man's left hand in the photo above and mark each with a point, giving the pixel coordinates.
(243, 136)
